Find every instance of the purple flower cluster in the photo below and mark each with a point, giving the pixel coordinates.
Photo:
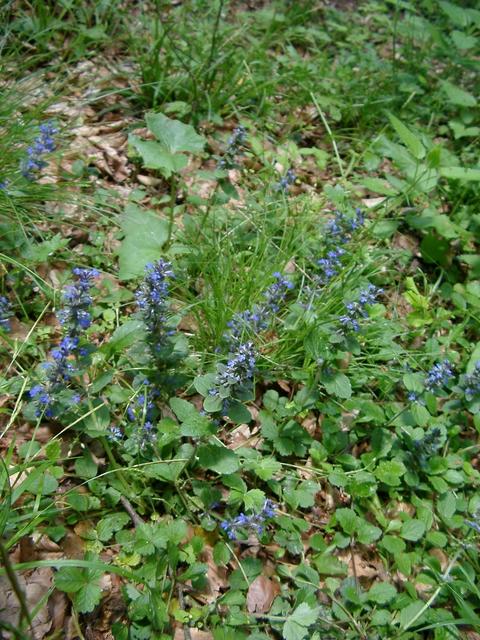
(254, 523)
(4, 185)
(5, 313)
(43, 144)
(470, 383)
(235, 143)
(152, 302)
(357, 310)
(142, 412)
(257, 319)
(338, 231)
(237, 373)
(439, 375)
(115, 434)
(74, 318)
(286, 181)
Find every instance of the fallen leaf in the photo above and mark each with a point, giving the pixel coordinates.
(261, 594)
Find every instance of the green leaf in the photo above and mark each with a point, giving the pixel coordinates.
(156, 156)
(463, 41)
(239, 413)
(124, 336)
(108, 525)
(296, 625)
(412, 530)
(266, 468)
(219, 459)
(347, 519)
(85, 467)
(393, 544)
(382, 592)
(194, 425)
(204, 383)
(390, 472)
(409, 613)
(461, 173)
(408, 138)
(41, 251)
(367, 533)
(83, 584)
(145, 235)
(87, 598)
(329, 565)
(336, 384)
(458, 96)
(173, 134)
(69, 579)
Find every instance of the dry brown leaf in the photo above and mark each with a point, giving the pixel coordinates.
(34, 585)
(261, 594)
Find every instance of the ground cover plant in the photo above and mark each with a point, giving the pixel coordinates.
(239, 331)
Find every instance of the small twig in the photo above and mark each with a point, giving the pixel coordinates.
(181, 600)
(127, 505)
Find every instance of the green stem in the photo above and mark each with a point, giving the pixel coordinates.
(171, 212)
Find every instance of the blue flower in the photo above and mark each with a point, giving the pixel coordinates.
(235, 143)
(43, 144)
(5, 313)
(356, 310)
(257, 319)
(439, 375)
(115, 434)
(237, 373)
(75, 316)
(286, 181)
(337, 232)
(152, 298)
(254, 523)
(470, 383)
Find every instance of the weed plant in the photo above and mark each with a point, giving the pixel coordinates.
(261, 412)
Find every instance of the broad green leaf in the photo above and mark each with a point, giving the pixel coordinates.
(409, 614)
(390, 472)
(336, 384)
(408, 138)
(412, 530)
(41, 251)
(382, 592)
(296, 625)
(108, 525)
(329, 565)
(194, 425)
(124, 336)
(393, 544)
(156, 156)
(347, 519)
(458, 96)
(173, 134)
(145, 235)
(461, 173)
(219, 459)
(367, 533)
(85, 467)
(238, 413)
(463, 41)
(456, 13)
(87, 598)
